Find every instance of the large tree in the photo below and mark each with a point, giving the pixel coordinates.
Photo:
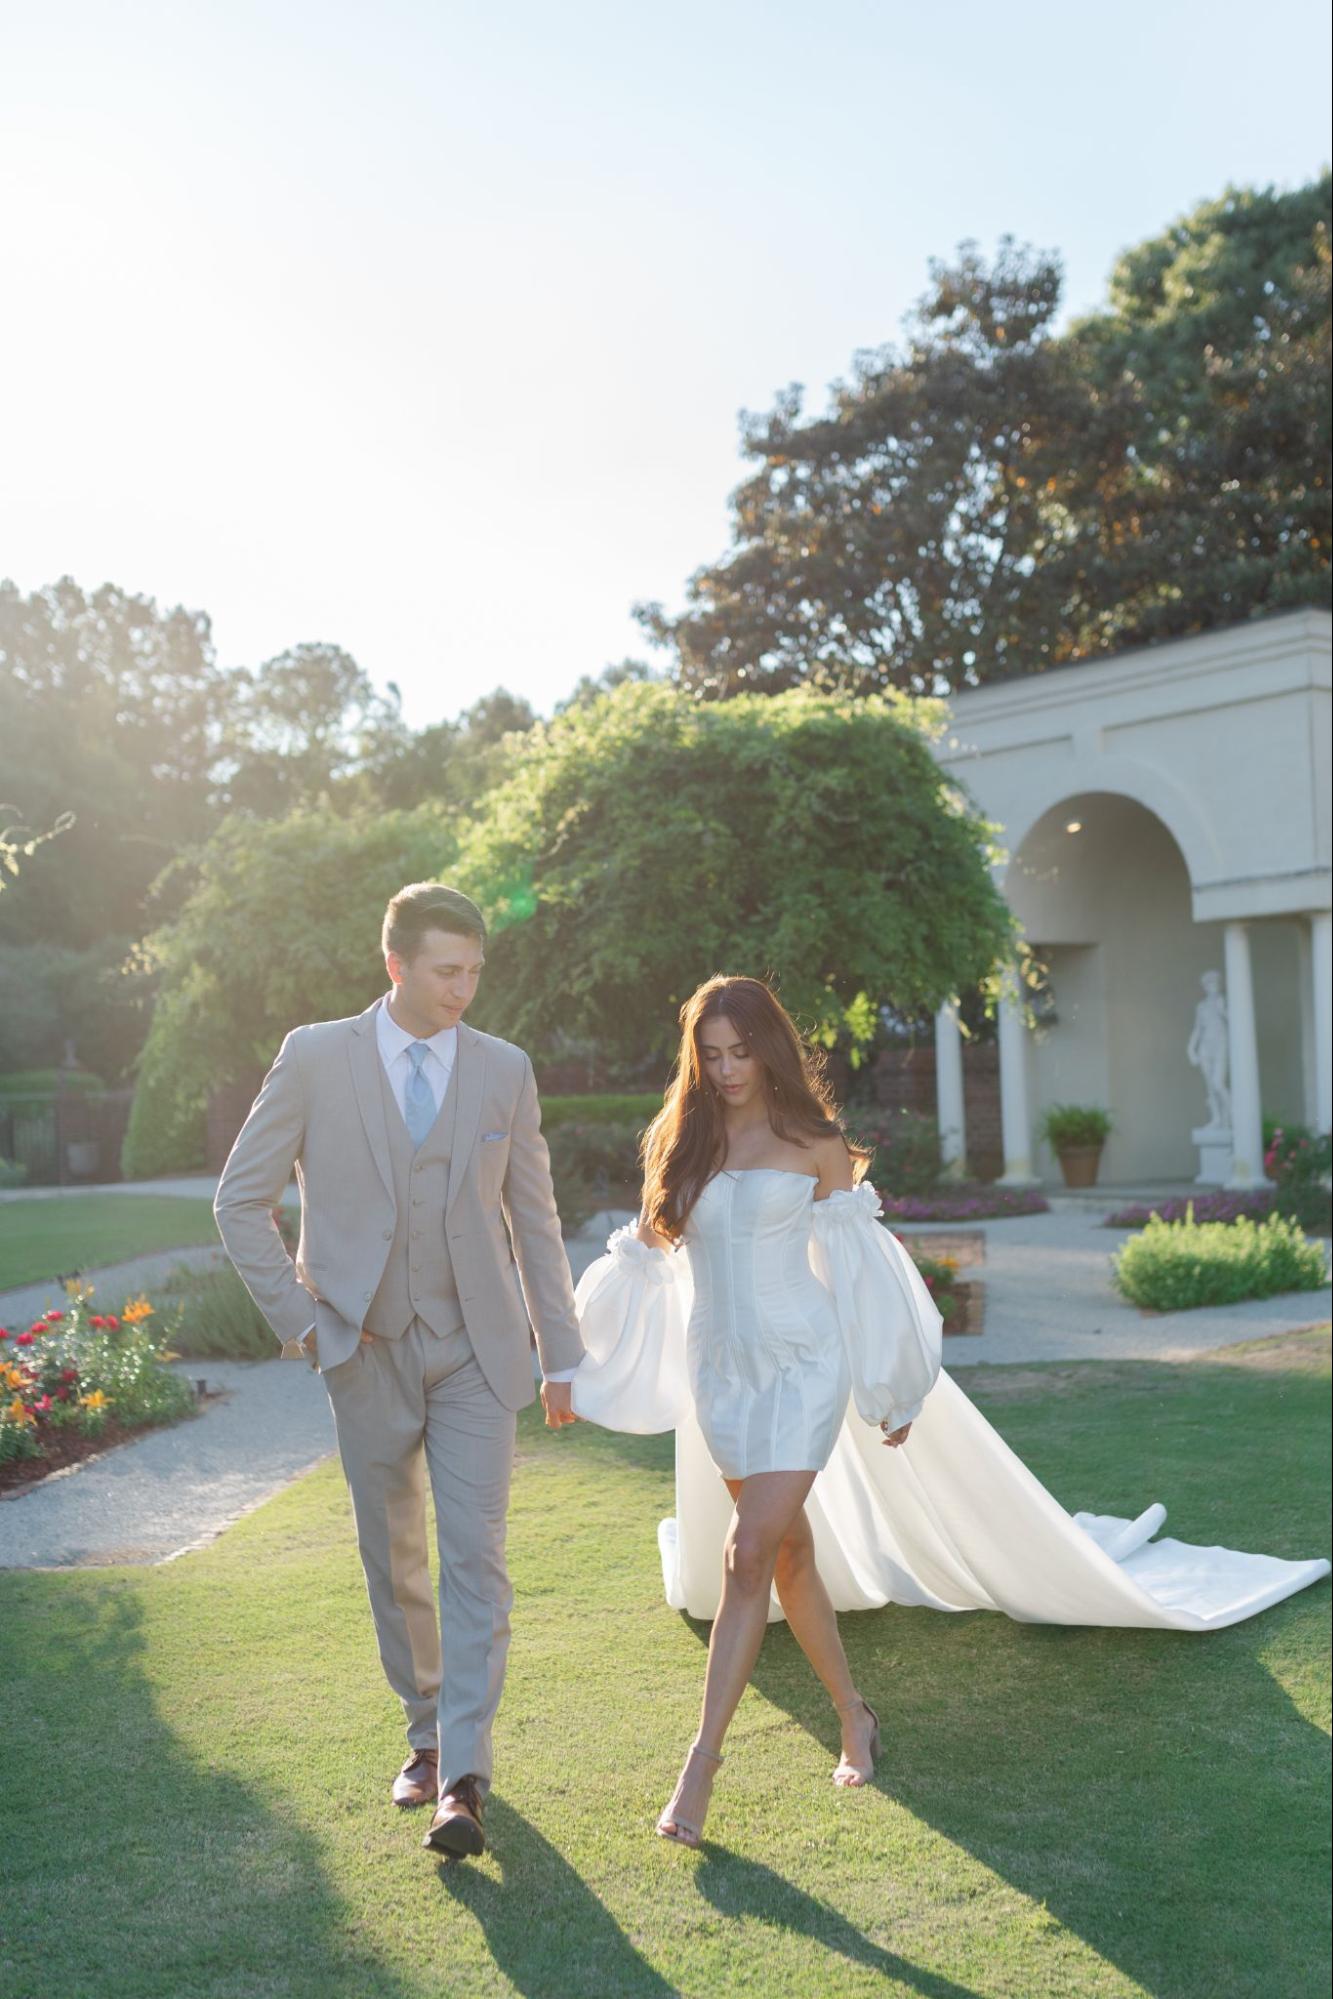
(645, 840)
(301, 727)
(1200, 493)
(890, 542)
(992, 498)
(279, 923)
(110, 711)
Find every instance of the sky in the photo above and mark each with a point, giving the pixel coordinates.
(423, 329)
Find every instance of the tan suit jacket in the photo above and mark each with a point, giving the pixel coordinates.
(321, 1112)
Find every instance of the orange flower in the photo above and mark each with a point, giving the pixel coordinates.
(16, 1413)
(137, 1309)
(94, 1401)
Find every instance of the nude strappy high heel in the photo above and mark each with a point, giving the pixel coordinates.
(850, 1776)
(682, 1830)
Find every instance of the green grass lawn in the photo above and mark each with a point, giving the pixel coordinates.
(41, 1240)
(197, 1756)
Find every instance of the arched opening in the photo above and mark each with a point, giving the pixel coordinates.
(1104, 895)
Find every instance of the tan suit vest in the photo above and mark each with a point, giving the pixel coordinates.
(418, 1278)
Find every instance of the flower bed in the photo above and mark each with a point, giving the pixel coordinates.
(76, 1380)
(1179, 1266)
(1217, 1207)
(964, 1201)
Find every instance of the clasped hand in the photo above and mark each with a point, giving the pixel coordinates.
(558, 1402)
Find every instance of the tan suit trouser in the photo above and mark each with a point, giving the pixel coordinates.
(404, 1408)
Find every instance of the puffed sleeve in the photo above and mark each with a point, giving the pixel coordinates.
(890, 1322)
(633, 1307)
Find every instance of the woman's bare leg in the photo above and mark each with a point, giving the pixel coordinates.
(766, 1506)
(814, 1625)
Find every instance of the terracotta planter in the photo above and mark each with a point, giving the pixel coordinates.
(1079, 1164)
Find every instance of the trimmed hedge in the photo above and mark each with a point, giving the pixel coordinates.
(1179, 1266)
(637, 1109)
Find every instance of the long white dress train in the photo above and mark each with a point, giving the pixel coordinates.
(774, 1338)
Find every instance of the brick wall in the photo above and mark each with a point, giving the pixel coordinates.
(905, 1080)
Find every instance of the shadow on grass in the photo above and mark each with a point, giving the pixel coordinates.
(1160, 1793)
(738, 1888)
(130, 1871)
(545, 1929)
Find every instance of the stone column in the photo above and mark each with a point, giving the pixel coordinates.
(949, 1091)
(1321, 951)
(1247, 1140)
(1015, 1115)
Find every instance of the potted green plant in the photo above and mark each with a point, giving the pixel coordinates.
(1076, 1134)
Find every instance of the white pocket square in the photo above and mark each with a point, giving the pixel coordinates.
(488, 1136)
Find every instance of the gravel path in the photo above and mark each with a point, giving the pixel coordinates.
(176, 1489)
(1047, 1297)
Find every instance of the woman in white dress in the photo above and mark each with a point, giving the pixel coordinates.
(745, 1148)
(762, 1311)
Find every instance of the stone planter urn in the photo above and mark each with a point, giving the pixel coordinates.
(1076, 1134)
(1079, 1164)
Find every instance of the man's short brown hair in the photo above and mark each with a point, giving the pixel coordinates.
(423, 906)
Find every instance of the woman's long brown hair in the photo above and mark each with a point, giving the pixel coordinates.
(686, 1142)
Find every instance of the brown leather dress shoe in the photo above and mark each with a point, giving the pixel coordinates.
(456, 1826)
(418, 1782)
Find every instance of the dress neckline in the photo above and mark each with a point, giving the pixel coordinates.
(787, 1172)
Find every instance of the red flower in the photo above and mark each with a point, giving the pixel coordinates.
(69, 1374)
(54, 1313)
(62, 1395)
(97, 1320)
(113, 1322)
(23, 1340)
(40, 1408)
(4, 1332)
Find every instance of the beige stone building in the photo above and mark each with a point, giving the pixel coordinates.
(1165, 815)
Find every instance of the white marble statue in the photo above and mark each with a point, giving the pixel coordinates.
(1208, 1050)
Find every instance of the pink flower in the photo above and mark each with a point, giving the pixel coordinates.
(23, 1340)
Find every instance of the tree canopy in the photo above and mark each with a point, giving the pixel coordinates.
(280, 924)
(645, 840)
(991, 497)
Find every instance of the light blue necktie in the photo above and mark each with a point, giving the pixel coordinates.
(418, 1103)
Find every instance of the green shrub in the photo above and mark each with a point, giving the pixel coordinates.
(627, 1109)
(1075, 1124)
(1298, 1161)
(47, 1082)
(594, 1166)
(906, 1148)
(168, 1121)
(1177, 1266)
(213, 1316)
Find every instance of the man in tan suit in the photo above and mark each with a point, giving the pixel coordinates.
(429, 1240)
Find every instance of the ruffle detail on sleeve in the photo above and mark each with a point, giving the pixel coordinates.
(845, 1207)
(625, 1249)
